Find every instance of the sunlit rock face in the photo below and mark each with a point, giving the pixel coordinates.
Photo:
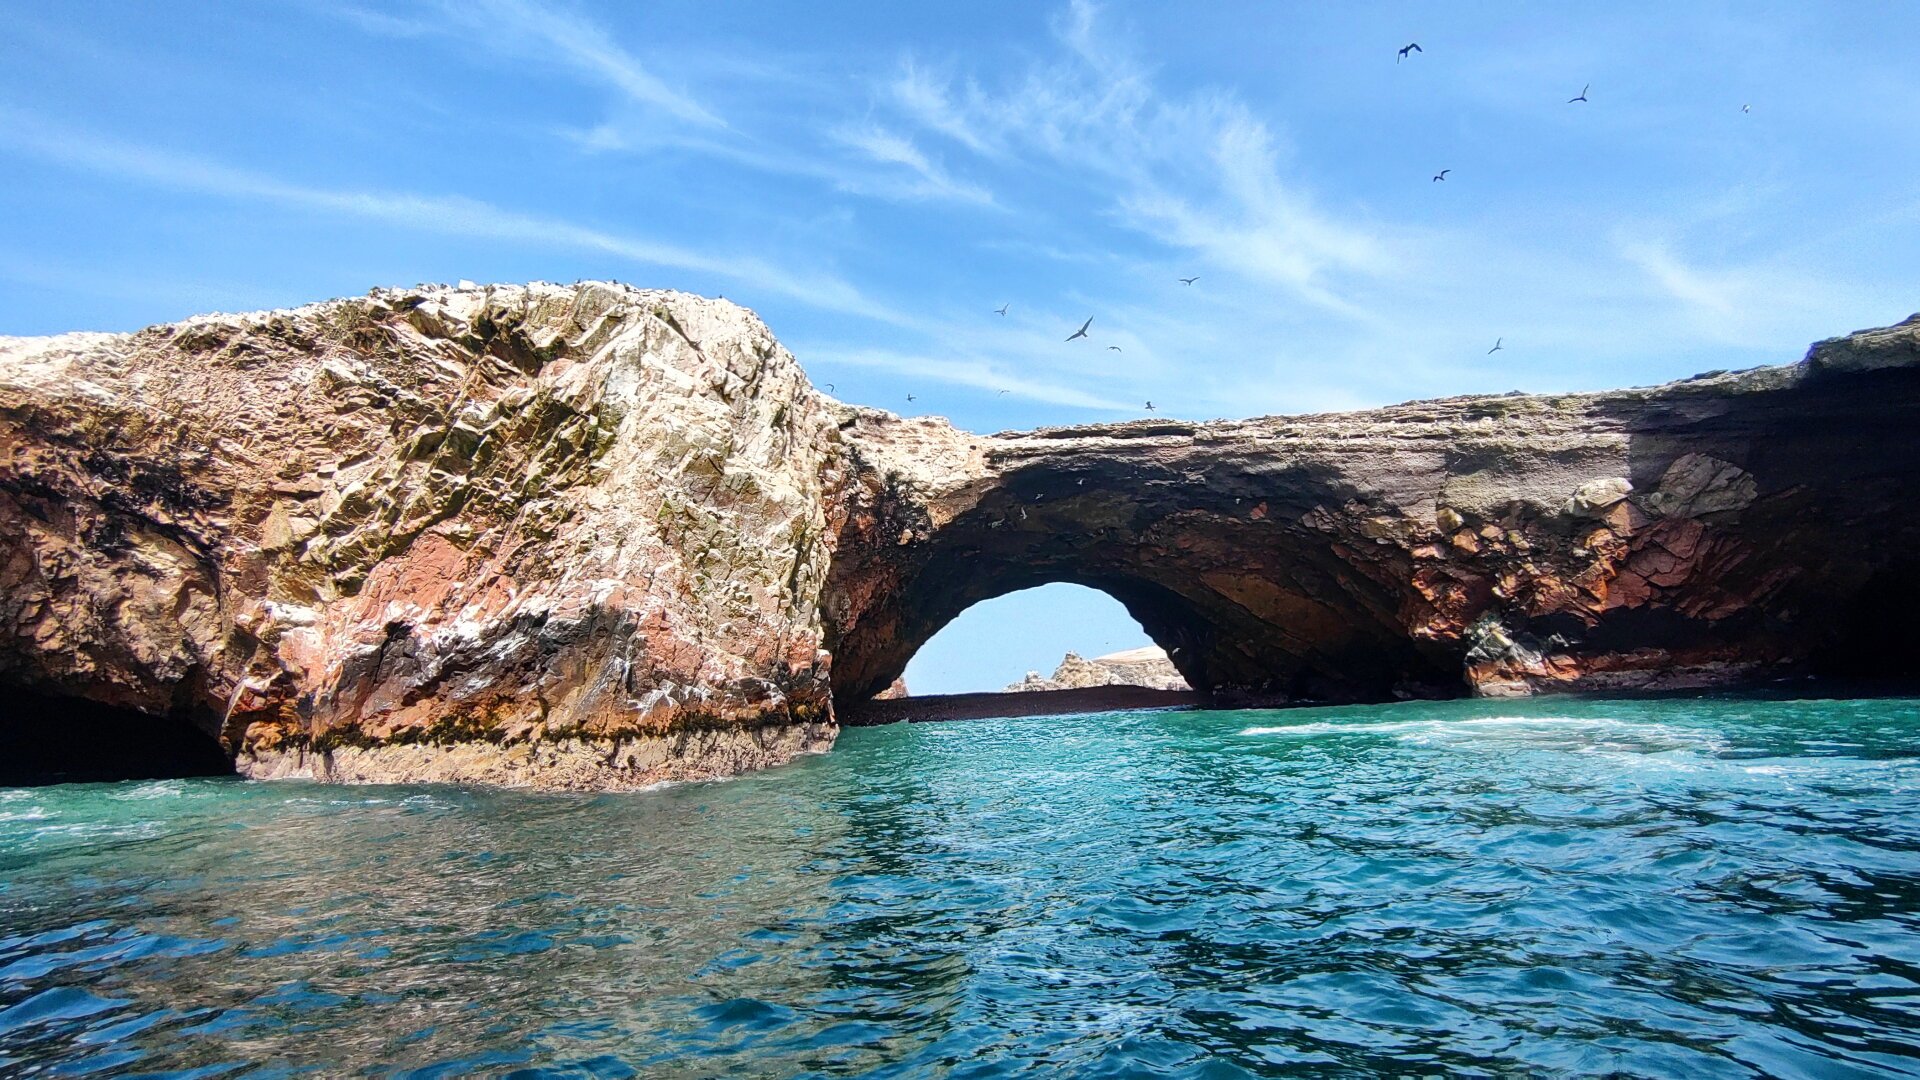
(581, 528)
(1730, 527)
(595, 536)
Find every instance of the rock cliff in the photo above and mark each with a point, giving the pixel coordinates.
(564, 536)
(596, 536)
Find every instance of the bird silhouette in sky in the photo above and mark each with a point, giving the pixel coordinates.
(1082, 332)
(1189, 280)
(829, 388)
(1149, 406)
(1006, 391)
(1441, 175)
(909, 397)
(1115, 348)
(1002, 310)
(1496, 346)
(1746, 108)
(1583, 94)
(1411, 47)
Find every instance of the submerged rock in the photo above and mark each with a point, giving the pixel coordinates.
(596, 536)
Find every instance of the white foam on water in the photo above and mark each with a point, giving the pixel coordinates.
(157, 789)
(1570, 734)
(98, 830)
(1327, 727)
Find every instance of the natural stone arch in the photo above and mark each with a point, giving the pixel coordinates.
(1231, 567)
(1724, 528)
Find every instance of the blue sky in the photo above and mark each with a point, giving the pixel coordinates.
(873, 179)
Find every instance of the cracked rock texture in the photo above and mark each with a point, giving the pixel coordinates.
(596, 536)
(589, 517)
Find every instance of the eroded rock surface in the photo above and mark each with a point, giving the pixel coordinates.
(595, 536)
(584, 520)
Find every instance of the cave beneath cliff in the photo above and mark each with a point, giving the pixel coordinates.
(61, 740)
(1879, 638)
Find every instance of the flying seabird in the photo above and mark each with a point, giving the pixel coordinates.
(1115, 348)
(1411, 47)
(1441, 175)
(1189, 280)
(829, 388)
(1583, 94)
(1496, 346)
(1006, 391)
(1082, 332)
(1002, 310)
(1746, 108)
(1149, 406)
(909, 397)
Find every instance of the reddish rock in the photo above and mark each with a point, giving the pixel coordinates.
(577, 531)
(596, 536)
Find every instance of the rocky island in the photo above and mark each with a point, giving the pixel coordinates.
(1147, 666)
(596, 536)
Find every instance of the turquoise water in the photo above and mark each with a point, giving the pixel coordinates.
(1666, 888)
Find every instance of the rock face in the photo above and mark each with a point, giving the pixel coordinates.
(595, 536)
(1148, 667)
(1729, 527)
(576, 533)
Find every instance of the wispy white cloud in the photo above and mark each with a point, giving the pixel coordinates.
(545, 31)
(670, 119)
(584, 46)
(928, 100)
(1747, 305)
(449, 214)
(379, 22)
(927, 178)
(1197, 173)
(977, 373)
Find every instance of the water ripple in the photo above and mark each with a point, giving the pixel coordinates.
(1677, 888)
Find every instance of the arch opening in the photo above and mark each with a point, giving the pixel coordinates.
(1253, 602)
(996, 643)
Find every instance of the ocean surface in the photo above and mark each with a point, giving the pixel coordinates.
(1555, 887)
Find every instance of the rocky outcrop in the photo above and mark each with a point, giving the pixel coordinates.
(576, 532)
(1148, 667)
(595, 536)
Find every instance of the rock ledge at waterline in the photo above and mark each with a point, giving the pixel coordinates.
(596, 536)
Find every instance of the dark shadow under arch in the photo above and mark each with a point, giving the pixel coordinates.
(1250, 604)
